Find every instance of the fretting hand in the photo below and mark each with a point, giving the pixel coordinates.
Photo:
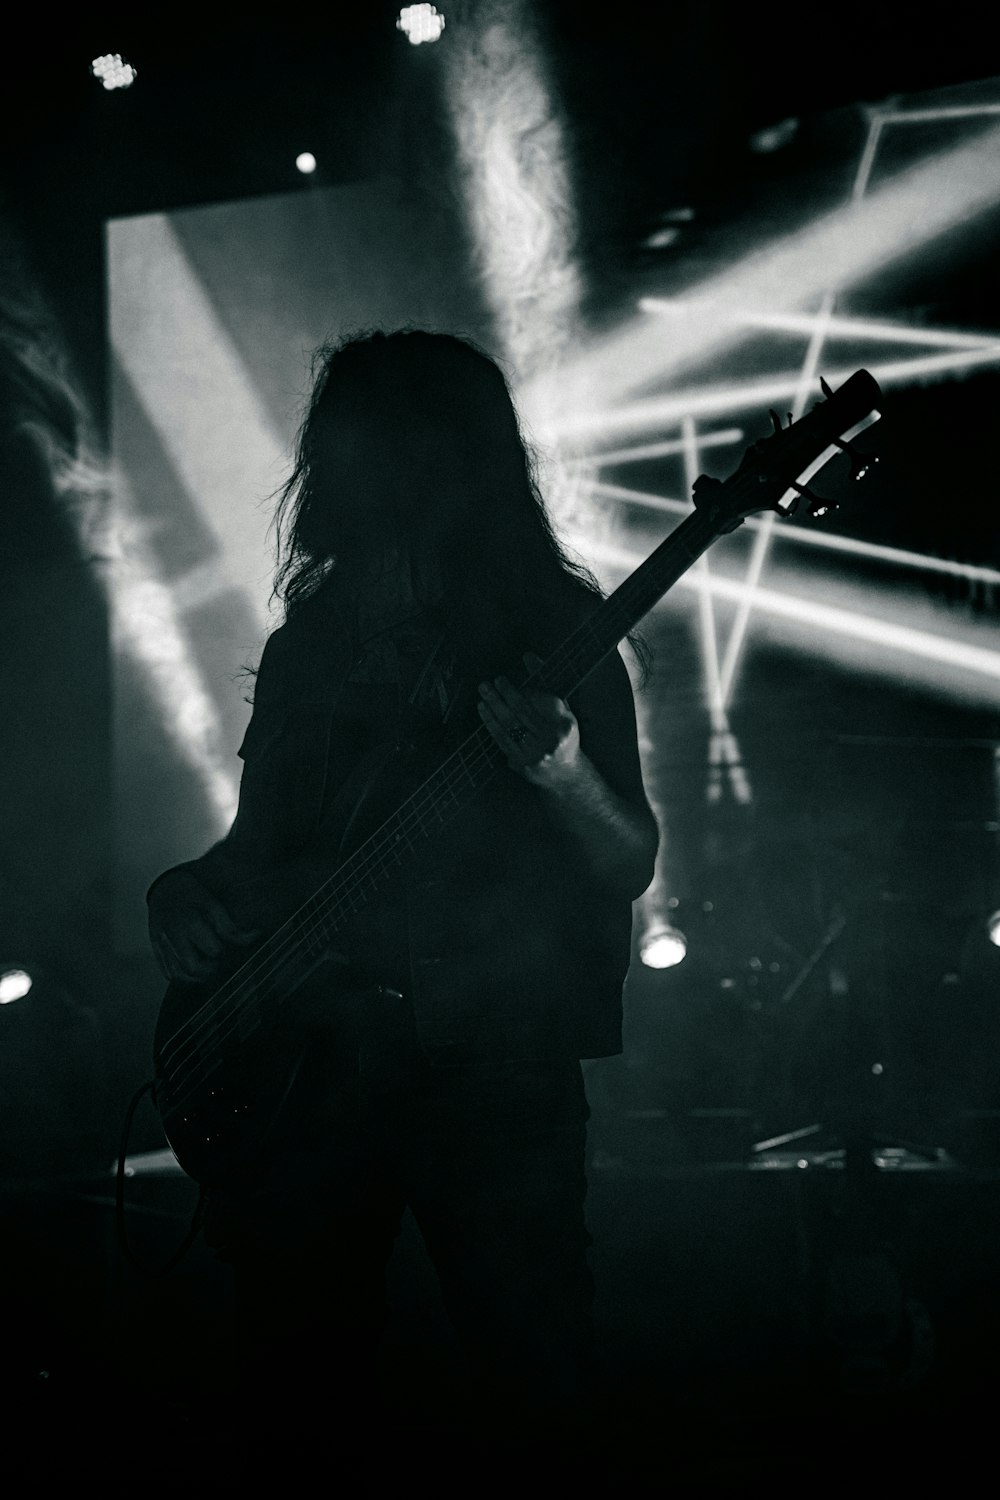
(537, 731)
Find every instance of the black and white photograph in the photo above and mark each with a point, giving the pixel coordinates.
(500, 776)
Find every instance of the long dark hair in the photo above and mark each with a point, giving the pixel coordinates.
(412, 437)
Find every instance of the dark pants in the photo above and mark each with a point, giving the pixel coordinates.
(490, 1160)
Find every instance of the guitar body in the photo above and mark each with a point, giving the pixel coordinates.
(227, 1051)
(221, 1092)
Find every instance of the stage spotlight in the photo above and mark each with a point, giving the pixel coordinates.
(773, 137)
(993, 929)
(14, 985)
(662, 239)
(421, 23)
(662, 946)
(113, 72)
(306, 162)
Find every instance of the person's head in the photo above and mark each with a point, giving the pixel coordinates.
(411, 439)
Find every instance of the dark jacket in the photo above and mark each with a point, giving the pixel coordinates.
(509, 945)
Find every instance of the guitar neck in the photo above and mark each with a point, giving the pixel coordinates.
(572, 662)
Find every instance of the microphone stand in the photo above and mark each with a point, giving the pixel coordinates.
(856, 1297)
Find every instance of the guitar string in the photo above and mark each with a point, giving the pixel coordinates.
(308, 921)
(424, 799)
(223, 1030)
(290, 944)
(358, 867)
(440, 788)
(223, 1018)
(223, 1025)
(427, 797)
(437, 791)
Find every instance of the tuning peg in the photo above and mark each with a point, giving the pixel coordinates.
(703, 487)
(817, 505)
(860, 462)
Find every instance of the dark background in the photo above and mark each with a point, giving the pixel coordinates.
(755, 1315)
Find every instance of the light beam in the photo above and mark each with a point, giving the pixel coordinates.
(828, 541)
(839, 249)
(827, 622)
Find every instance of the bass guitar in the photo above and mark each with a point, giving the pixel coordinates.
(223, 1063)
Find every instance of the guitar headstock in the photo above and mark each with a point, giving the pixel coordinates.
(776, 471)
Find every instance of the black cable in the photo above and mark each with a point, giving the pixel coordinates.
(196, 1222)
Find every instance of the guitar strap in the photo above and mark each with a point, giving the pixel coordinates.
(425, 671)
(447, 701)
